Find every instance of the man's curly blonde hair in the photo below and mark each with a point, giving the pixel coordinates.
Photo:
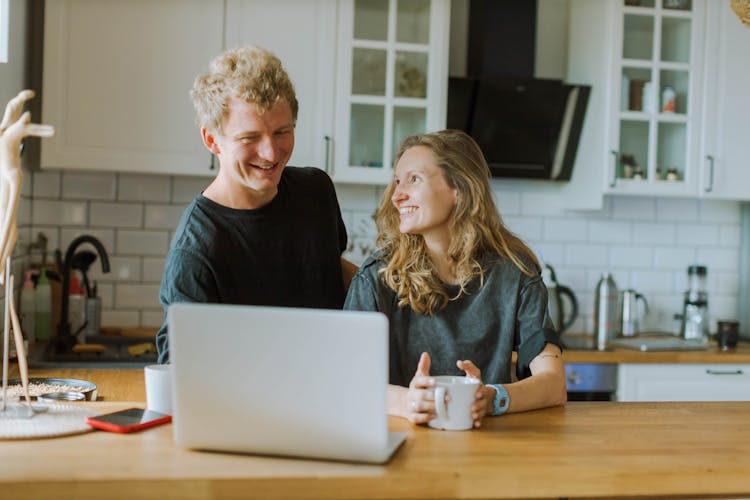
(475, 226)
(250, 73)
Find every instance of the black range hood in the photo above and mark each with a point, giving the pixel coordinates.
(527, 127)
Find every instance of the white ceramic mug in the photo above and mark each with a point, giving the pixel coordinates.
(159, 388)
(454, 415)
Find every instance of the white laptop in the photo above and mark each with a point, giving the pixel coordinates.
(281, 381)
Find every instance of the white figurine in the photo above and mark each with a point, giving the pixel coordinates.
(14, 127)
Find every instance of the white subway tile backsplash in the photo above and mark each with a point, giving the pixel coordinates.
(116, 214)
(59, 213)
(646, 242)
(722, 308)
(652, 281)
(586, 255)
(610, 232)
(526, 228)
(23, 215)
(727, 282)
(363, 224)
(631, 256)
(52, 233)
(507, 202)
(27, 183)
(697, 234)
(88, 186)
(720, 259)
(106, 291)
(46, 184)
(137, 296)
(674, 209)
(163, 216)
(152, 318)
(654, 233)
(359, 198)
(541, 204)
(719, 211)
(729, 236)
(565, 230)
(677, 258)
(153, 268)
(153, 188)
(105, 236)
(121, 269)
(551, 253)
(184, 189)
(142, 242)
(633, 208)
(121, 318)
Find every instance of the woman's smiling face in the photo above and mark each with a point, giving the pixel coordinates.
(421, 194)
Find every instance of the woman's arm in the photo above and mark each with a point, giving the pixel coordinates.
(546, 385)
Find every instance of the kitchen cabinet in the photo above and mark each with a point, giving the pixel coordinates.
(392, 79)
(116, 83)
(726, 153)
(647, 77)
(302, 34)
(683, 382)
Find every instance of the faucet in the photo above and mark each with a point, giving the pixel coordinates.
(65, 340)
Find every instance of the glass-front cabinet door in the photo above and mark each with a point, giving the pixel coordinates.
(657, 64)
(392, 82)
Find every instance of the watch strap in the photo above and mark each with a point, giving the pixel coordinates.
(502, 399)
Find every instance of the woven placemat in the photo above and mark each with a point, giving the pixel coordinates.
(58, 420)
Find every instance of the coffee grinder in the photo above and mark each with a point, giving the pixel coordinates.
(695, 308)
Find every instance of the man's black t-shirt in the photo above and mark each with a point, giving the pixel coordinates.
(287, 253)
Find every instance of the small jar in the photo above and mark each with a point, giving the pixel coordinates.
(672, 174)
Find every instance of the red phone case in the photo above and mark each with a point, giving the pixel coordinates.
(123, 429)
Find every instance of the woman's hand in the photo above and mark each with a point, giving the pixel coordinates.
(485, 399)
(419, 401)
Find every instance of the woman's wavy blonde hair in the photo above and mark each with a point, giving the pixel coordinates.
(475, 225)
(250, 73)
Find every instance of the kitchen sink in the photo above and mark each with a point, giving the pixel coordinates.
(114, 355)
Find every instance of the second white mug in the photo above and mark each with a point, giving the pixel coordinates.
(454, 415)
(159, 388)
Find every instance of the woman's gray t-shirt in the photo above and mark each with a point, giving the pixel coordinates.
(508, 313)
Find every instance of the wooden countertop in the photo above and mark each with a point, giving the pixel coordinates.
(580, 450)
(619, 355)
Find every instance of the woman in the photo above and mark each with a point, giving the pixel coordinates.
(461, 291)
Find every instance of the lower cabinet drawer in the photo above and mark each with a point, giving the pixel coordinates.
(683, 382)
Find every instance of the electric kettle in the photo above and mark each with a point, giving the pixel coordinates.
(562, 316)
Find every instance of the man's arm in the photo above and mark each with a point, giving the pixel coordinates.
(348, 270)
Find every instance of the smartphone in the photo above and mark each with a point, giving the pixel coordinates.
(129, 420)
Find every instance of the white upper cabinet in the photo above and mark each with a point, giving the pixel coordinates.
(392, 82)
(302, 33)
(669, 96)
(116, 83)
(726, 148)
(648, 83)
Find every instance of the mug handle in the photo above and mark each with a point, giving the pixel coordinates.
(440, 407)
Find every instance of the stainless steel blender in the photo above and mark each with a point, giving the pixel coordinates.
(695, 308)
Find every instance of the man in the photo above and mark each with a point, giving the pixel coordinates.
(261, 233)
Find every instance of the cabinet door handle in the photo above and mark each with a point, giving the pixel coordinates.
(327, 161)
(710, 186)
(723, 372)
(613, 180)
